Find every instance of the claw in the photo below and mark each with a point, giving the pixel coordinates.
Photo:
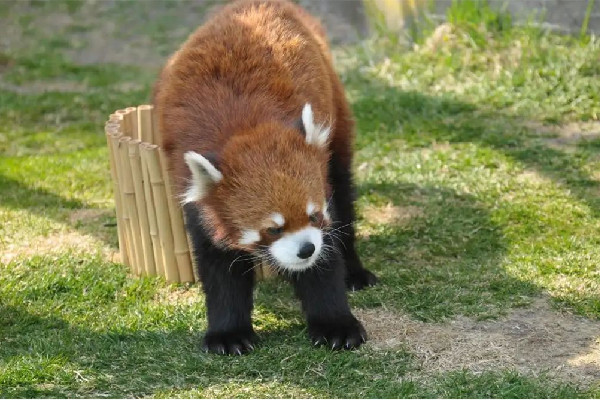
(247, 344)
(336, 344)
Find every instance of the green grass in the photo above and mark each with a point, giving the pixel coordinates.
(462, 136)
(76, 325)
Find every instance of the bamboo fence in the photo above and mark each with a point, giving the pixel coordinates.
(150, 222)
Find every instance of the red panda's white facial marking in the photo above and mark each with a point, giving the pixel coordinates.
(310, 208)
(249, 237)
(273, 225)
(278, 219)
(298, 250)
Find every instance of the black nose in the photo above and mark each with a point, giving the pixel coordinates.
(306, 250)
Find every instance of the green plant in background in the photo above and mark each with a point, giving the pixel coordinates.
(586, 18)
(401, 21)
(477, 17)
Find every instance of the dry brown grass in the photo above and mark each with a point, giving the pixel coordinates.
(533, 340)
(63, 238)
(391, 214)
(565, 137)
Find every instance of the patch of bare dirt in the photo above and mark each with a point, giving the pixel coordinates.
(180, 295)
(64, 239)
(566, 137)
(391, 214)
(532, 340)
(570, 131)
(531, 176)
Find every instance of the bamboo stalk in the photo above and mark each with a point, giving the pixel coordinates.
(145, 130)
(151, 213)
(115, 119)
(122, 113)
(126, 122)
(182, 251)
(145, 123)
(156, 133)
(138, 186)
(131, 122)
(125, 222)
(113, 129)
(192, 254)
(162, 211)
(131, 206)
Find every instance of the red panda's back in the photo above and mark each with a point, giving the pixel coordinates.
(254, 61)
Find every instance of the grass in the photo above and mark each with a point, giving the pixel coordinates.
(466, 136)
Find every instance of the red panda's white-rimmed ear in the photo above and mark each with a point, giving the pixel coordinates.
(204, 175)
(315, 134)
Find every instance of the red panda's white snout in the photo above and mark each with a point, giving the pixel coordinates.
(298, 250)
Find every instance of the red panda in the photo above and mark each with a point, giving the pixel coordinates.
(258, 137)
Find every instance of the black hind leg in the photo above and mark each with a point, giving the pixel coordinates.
(357, 277)
(227, 280)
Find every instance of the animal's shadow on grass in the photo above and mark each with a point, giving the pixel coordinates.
(386, 114)
(437, 254)
(423, 120)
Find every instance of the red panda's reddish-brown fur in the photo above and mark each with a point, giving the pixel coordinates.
(243, 75)
(258, 135)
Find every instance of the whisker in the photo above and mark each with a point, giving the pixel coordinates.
(333, 236)
(233, 262)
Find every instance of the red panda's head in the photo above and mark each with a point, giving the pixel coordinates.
(267, 191)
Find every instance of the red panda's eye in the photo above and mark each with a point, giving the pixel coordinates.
(275, 231)
(314, 217)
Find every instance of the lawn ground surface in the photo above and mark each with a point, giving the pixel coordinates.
(478, 172)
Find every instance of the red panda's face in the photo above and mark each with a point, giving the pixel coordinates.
(267, 193)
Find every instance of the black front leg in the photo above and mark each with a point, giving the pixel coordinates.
(322, 291)
(344, 194)
(227, 279)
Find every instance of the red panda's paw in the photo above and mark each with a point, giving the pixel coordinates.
(360, 279)
(233, 343)
(345, 333)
